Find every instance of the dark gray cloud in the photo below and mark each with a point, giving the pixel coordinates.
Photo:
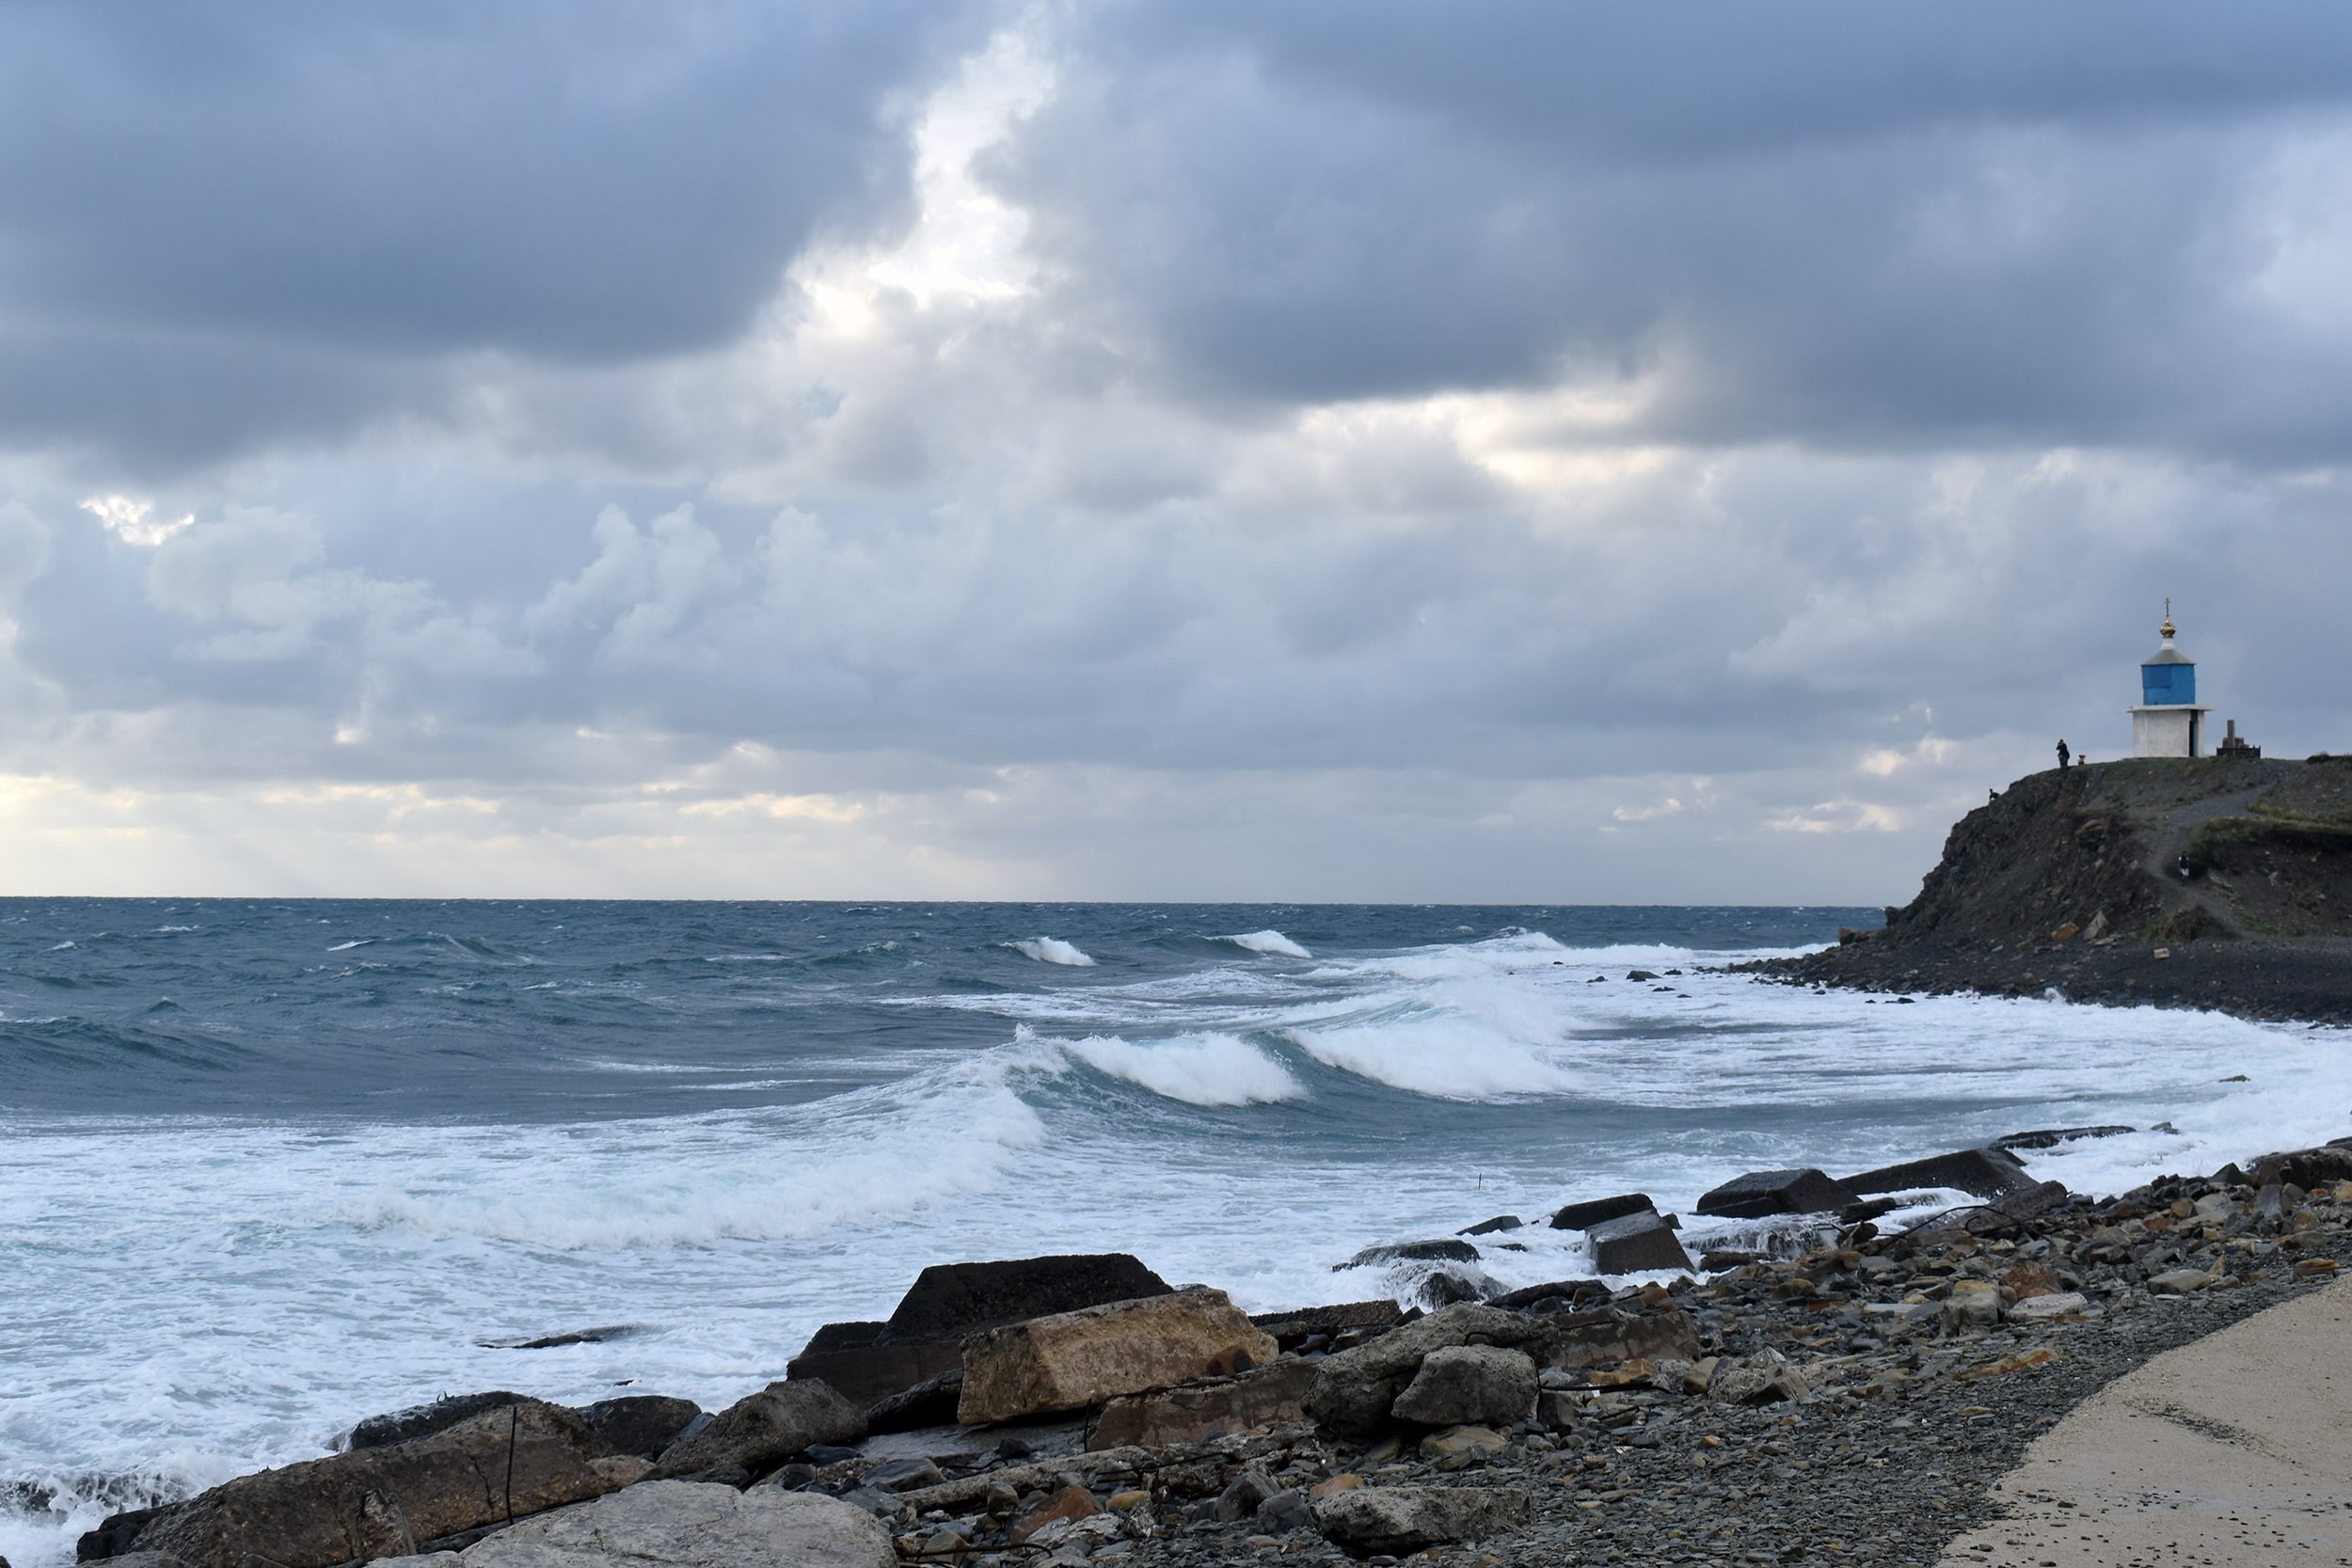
(1358, 452)
(269, 220)
(1849, 224)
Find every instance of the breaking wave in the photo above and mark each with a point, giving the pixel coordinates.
(1052, 950)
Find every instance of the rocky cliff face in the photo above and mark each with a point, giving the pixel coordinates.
(2073, 881)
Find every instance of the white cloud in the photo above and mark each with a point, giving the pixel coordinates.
(133, 521)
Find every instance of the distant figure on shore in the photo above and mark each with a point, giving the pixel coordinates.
(2063, 754)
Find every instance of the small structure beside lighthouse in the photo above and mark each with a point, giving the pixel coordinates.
(2168, 722)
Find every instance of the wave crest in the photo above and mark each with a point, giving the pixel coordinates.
(1207, 1068)
(1051, 950)
(1271, 942)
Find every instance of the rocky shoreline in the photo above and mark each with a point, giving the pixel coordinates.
(1845, 1387)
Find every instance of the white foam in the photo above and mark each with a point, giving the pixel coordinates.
(1200, 1070)
(59, 948)
(1052, 950)
(1273, 944)
(347, 946)
(1447, 1056)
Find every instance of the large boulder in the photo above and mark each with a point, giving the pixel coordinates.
(1192, 1412)
(423, 1420)
(868, 1362)
(949, 1300)
(1469, 1385)
(766, 1428)
(1395, 1520)
(377, 1502)
(1069, 1360)
(1636, 1244)
(641, 1423)
(679, 1525)
(1356, 1391)
(929, 1404)
(1979, 1172)
(1760, 1192)
(861, 1364)
(1593, 1212)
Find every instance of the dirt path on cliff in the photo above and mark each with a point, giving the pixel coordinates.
(2166, 850)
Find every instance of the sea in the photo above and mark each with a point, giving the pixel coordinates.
(267, 1167)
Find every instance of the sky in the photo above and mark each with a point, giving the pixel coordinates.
(1541, 452)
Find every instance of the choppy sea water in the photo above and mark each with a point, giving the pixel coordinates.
(268, 1167)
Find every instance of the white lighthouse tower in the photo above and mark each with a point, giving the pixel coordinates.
(2169, 723)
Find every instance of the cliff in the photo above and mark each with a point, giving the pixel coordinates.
(2072, 881)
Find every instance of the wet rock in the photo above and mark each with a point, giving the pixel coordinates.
(1439, 1249)
(381, 1502)
(1393, 1520)
(1584, 1216)
(1070, 1360)
(1979, 1172)
(423, 1420)
(2050, 1137)
(1468, 1384)
(114, 1535)
(1560, 1295)
(641, 1423)
(1489, 1228)
(767, 1428)
(1776, 1192)
(1636, 1244)
(683, 1525)
(1192, 1412)
(930, 1402)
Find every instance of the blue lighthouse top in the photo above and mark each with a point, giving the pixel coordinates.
(2168, 678)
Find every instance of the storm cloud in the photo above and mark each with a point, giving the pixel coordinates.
(1353, 452)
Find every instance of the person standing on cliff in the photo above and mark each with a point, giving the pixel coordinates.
(2063, 754)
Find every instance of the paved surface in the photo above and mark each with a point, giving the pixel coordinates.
(2234, 1450)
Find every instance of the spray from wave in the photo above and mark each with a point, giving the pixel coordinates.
(1051, 950)
(1273, 944)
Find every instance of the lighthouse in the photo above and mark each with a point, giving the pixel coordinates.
(2167, 722)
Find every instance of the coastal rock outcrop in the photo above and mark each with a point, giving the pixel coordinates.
(495, 1466)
